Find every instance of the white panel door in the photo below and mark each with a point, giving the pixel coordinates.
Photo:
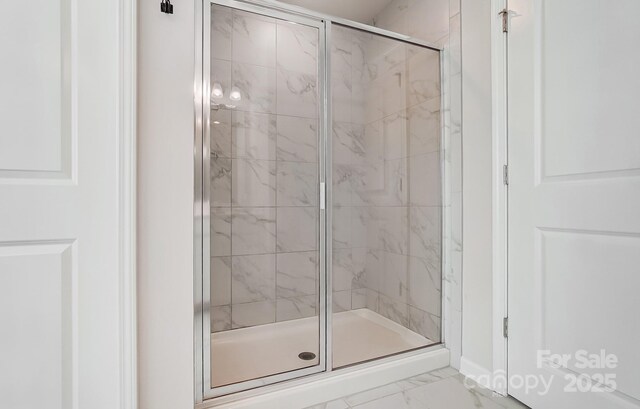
(574, 200)
(59, 283)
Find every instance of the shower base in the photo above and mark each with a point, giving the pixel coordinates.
(255, 352)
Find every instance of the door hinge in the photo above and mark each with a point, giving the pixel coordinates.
(505, 175)
(505, 327)
(505, 20)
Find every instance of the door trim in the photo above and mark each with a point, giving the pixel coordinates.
(499, 141)
(127, 141)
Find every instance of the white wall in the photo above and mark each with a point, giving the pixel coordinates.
(476, 176)
(165, 205)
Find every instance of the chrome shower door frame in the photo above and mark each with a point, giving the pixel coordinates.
(202, 215)
(202, 238)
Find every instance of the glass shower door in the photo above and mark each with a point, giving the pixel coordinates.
(263, 250)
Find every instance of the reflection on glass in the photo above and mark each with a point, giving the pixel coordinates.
(386, 196)
(263, 194)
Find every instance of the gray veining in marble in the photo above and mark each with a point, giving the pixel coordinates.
(440, 389)
(253, 135)
(297, 93)
(297, 274)
(220, 182)
(253, 278)
(297, 47)
(297, 229)
(257, 86)
(297, 139)
(254, 39)
(254, 183)
(254, 230)
(297, 184)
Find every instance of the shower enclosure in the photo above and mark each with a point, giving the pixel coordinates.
(318, 195)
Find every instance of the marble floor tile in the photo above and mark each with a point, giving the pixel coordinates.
(444, 388)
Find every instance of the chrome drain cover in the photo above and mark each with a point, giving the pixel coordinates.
(307, 356)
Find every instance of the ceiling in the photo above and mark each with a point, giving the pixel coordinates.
(357, 10)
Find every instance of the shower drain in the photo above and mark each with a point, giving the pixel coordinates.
(307, 356)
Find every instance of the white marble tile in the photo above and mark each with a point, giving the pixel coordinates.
(341, 181)
(253, 278)
(374, 141)
(342, 269)
(423, 72)
(396, 192)
(220, 282)
(341, 96)
(297, 139)
(394, 231)
(359, 263)
(372, 394)
(454, 7)
(297, 47)
(253, 313)
(374, 266)
(453, 392)
(425, 324)
(254, 135)
(254, 230)
(296, 308)
(341, 225)
(341, 301)
(400, 400)
(394, 310)
(220, 134)
(358, 100)
(360, 219)
(395, 277)
(221, 73)
(394, 129)
(374, 100)
(372, 300)
(395, 87)
(297, 184)
(220, 182)
(425, 181)
(425, 285)
(341, 49)
(296, 274)
(221, 29)
(428, 20)
(393, 16)
(297, 93)
(254, 182)
(334, 404)
(424, 129)
(254, 39)
(359, 298)
(220, 318)
(427, 378)
(297, 229)
(220, 231)
(344, 145)
(257, 86)
(425, 236)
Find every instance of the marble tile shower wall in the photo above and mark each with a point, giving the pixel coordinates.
(386, 179)
(264, 171)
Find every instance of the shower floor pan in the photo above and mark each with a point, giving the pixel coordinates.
(254, 352)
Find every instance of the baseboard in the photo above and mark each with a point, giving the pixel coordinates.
(329, 386)
(478, 373)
